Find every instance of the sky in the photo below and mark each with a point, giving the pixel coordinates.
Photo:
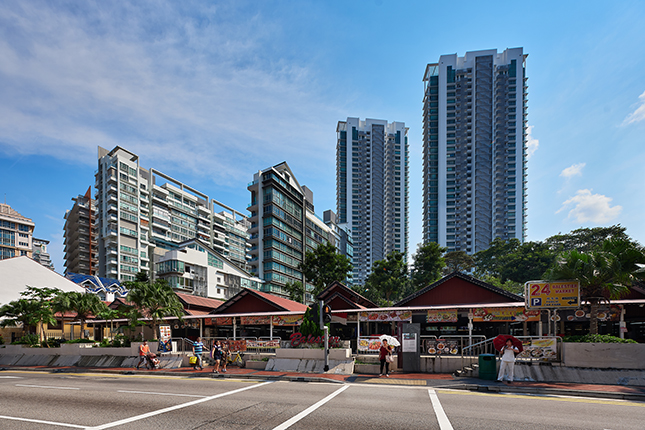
(209, 92)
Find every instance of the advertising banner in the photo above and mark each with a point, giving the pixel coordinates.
(386, 316)
(366, 344)
(441, 346)
(552, 295)
(165, 345)
(441, 315)
(539, 348)
(256, 320)
(263, 344)
(224, 320)
(505, 314)
(236, 345)
(287, 320)
(605, 313)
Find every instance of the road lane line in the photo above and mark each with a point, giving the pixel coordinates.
(310, 409)
(11, 377)
(174, 408)
(47, 386)
(444, 422)
(550, 397)
(160, 394)
(42, 422)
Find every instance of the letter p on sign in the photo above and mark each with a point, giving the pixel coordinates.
(537, 301)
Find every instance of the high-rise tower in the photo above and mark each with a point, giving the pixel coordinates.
(372, 189)
(474, 149)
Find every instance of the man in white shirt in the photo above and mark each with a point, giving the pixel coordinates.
(508, 361)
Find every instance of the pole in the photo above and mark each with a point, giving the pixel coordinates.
(234, 328)
(470, 327)
(326, 330)
(320, 314)
(540, 329)
(201, 328)
(271, 328)
(622, 326)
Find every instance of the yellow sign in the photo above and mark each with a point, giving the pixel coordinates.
(552, 295)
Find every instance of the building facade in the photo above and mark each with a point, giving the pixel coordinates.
(343, 238)
(142, 213)
(372, 189)
(40, 254)
(80, 234)
(16, 233)
(196, 268)
(474, 149)
(284, 227)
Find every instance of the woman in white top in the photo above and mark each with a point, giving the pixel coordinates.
(508, 361)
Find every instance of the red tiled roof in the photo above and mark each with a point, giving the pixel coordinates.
(195, 312)
(287, 304)
(203, 302)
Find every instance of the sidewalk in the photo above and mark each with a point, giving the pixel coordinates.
(437, 381)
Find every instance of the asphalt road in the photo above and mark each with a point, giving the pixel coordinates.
(30, 400)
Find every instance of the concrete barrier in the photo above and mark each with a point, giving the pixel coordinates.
(604, 355)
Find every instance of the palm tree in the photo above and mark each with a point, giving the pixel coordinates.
(155, 300)
(109, 314)
(85, 304)
(604, 275)
(32, 310)
(60, 304)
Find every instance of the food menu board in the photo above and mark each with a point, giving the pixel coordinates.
(441, 315)
(224, 320)
(266, 320)
(287, 320)
(263, 344)
(545, 348)
(611, 313)
(386, 316)
(365, 344)
(235, 345)
(505, 314)
(441, 347)
(165, 344)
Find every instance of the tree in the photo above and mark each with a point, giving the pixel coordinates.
(60, 304)
(296, 291)
(604, 274)
(458, 261)
(310, 325)
(155, 300)
(33, 309)
(389, 279)
(324, 265)
(511, 260)
(85, 304)
(586, 239)
(428, 262)
(109, 314)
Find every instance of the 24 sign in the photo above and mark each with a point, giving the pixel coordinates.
(552, 295)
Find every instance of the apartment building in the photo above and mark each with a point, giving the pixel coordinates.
(16, 233)
(474, 149)
(40, 254)
(343, 238)
(284, 227)
(80, 234)
(372, 189)
(143, 212)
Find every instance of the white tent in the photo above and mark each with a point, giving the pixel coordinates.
(19, 272)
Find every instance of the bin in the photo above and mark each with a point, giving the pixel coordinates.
(487, 367)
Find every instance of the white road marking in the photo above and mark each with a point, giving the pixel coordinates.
(174, 408)
(310, 409)
(444, 422)
(161, 394)
(42, 422)
(47, 386)
(11, 377)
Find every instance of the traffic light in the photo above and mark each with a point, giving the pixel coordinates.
(326, 310)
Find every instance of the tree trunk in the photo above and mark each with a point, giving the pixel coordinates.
(593, 316)
(82, 329)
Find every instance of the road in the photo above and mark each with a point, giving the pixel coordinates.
(34, 400)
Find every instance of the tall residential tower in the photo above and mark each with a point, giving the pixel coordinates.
(372, 189)
(474, 149)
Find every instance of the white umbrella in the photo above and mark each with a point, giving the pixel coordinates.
(390, 340)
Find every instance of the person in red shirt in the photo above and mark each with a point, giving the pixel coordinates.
(383, 353)
(144, 350)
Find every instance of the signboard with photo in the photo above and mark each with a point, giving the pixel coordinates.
(263, 344)
(505, 314)
(385, 316)
(441, 315)
(366, 344)
(165, 344)
(441, 347)
(265, 320)
(287, 320)
(545, 348)
(224, 320)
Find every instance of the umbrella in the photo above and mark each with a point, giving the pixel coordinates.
(390, 340)
(500, 341)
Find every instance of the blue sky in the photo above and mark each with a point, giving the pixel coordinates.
(210, 92)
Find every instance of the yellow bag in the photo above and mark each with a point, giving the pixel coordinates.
(192, 360)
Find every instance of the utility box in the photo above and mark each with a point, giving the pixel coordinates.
(410, 350)
(487, 367)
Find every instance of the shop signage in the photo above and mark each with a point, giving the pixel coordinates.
(442, 346)
(441, 315)
(505, 314)
(386, 316)
(287, 320)
(256, 320)
(611, 313)
(224, 320)
(552, 295)
(540, 348)
(165, 345)
(236, 345)
(298, 339)
(366, 344)
(263, 344)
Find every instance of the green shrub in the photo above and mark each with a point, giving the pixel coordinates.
(28, 339)
(596, 338)
(52, 342)
(1, 340)
(79, 341)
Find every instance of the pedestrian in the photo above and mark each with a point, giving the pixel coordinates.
(144, 350)
(384, 352)
(508, 361)
(198, 349)
(225, 354)
(216, 355)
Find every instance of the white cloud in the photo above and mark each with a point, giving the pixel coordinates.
(573, 170)
(204, 90)
(639, 114)
(593, 208)
(532, 143)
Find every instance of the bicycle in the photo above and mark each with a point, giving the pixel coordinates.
(236, 358)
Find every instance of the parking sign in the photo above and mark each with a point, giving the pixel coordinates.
(552, 295)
